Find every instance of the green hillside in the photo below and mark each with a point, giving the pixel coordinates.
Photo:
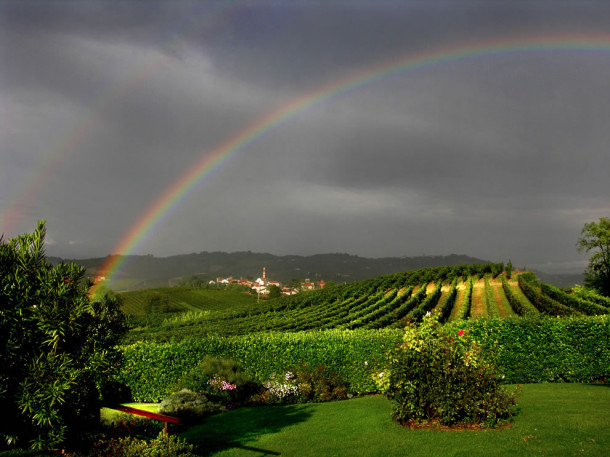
(460, 292)
(183, 299)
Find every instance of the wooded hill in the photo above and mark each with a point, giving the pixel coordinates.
(141, 272)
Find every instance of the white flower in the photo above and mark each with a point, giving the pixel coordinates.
(366, 363)
(428, 314)
(381, 374)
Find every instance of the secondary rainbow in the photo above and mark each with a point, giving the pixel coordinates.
(213, 159)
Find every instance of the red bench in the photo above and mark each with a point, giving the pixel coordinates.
(140, 412)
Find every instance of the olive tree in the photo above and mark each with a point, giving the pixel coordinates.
(595, 236)
(57, 346)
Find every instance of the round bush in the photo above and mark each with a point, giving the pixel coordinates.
(189, 406)
(433, 377)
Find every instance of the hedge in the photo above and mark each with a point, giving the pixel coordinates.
(542, 348)
(151, 369)
(534, 349)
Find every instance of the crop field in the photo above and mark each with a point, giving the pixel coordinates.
(182, 299)
(461, 292)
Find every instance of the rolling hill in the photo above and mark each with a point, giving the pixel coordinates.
(456, 292)
(142, 272)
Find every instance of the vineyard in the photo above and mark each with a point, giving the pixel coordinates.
(182, 299)
(459, 292)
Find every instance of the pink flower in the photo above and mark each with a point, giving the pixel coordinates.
(461, 332)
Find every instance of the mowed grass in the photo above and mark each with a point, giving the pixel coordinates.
(553, 420)
(109, 415)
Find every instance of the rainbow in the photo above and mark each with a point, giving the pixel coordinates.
(213, 159)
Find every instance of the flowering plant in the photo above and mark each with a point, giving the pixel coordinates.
(279, 389)
(431, 376)
(221, 384)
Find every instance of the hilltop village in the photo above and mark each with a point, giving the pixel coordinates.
(262, 285)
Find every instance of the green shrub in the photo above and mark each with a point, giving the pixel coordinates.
(319, 384)
(222, 379)
(135, 427)
(302, 384)
(278, 389)
(590, 295)
(57, 345)
(162, 446)
(189, 406)
(433, 378)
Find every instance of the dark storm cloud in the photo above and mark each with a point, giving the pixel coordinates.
(502, 156)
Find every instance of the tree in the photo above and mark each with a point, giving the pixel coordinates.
(508, 269)
(57, 347)
(274, 291)
(595, 236)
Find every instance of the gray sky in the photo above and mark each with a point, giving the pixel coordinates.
(105, 105)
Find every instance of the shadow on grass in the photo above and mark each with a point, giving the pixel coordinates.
(599, 384)
(242, 426)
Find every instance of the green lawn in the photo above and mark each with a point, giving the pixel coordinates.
(112, 415)
(553, 420)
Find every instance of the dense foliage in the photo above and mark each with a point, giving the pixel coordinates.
(189, 406)
(595, 238)
(432, 377)
(223, 380)
(57, 346)
(162, 446)
(534, 349)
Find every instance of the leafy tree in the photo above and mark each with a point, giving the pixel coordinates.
(595, 236)
(508, 269)
(295, 284)
(57, 346)
(274, 291)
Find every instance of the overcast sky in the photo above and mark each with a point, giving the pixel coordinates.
(105, 105)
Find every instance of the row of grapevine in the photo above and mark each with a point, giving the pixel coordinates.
(427, 304)
(464, 311)
(583, 306)
(492, 305)
(445, 306)
(528, 284)
(395, 316)
(372, 320)
(518, 303)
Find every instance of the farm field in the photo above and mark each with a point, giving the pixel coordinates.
(462, 292)
(182, 299)
(553, 420)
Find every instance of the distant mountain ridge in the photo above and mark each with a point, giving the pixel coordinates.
(140, 272)
(149, 271)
